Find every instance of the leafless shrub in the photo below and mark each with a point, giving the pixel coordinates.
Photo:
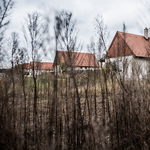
(92, 109)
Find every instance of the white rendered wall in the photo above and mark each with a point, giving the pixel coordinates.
(59, 71)
(135, 66)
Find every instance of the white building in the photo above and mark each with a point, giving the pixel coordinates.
(129, 53)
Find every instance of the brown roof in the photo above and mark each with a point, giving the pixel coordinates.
(23, 66)
(46, 65)
(76, 59)
(42, 65)
(139, 46)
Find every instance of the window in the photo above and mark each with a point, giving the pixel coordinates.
(117, 65)
(114, 66)
(120, 66)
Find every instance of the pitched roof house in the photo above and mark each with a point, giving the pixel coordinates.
(132, 49)
(39, 67)
(78, 60)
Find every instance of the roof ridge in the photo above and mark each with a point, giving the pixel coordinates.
(77, 52)
(131, 33)
(41, 62)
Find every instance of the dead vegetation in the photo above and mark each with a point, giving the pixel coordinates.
(118, 120)
(94, 110)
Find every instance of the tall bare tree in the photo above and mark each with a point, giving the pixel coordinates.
(5, 11)
(102, 36)
(13, 45)
(68, 42)
(34, 32)
(21, 60)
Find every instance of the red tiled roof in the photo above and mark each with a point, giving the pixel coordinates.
(138, 44)
(23, 66)
(42, 65)
(77, 59)
(46, 65)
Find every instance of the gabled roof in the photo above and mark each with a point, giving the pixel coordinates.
(137, 44)
(42, 65)
(76, 59)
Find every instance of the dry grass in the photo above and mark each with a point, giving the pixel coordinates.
(107, 115)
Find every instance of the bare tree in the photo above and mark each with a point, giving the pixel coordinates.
(21, 60)
(5, 11)
(66, 39)
(13, 45)
(102, 36)
(68, 42)
(34, 32)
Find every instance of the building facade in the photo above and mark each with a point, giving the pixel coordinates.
(130, 53)
(65, 61)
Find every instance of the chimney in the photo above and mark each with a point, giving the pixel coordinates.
(146, 33)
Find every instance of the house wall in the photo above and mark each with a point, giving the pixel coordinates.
(78, 68)
(123, 63)
(119, 48)
(84, 68)
(132, 66)
(141, 66)
(57, 70)
(38, 72)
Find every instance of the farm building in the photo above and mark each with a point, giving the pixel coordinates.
(76, 60)
(38, 67)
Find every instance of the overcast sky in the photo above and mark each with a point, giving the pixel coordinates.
(134, 13)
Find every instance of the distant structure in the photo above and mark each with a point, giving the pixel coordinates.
(65, 60)
(130, 53)
(38, 67)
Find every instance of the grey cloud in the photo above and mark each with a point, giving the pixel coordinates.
(114, 12)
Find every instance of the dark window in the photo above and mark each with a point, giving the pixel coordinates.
(114, 66)
(120, 66)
